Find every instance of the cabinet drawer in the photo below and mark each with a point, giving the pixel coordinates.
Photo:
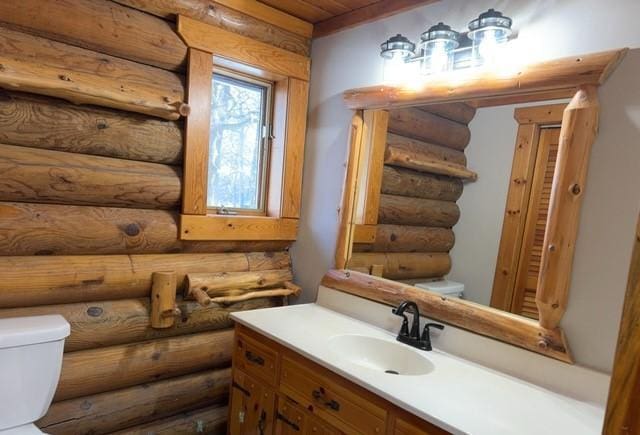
(293, 419)
(255, 359)
(330, 401)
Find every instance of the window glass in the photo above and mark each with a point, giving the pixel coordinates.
(237, 143)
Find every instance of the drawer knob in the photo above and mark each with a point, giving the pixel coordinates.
(320, 396)
(256, 359)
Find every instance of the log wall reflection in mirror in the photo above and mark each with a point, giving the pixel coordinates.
(468, 197)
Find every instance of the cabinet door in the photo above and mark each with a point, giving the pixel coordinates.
(252, 407)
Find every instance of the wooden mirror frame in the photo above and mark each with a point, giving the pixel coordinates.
(575, 77)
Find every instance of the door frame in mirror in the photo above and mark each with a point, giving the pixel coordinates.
(577, 76)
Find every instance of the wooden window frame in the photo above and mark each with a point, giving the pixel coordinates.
(531, 120)
(574, 77)
(211, 47)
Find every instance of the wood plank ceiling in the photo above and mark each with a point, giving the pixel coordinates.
(330, 16)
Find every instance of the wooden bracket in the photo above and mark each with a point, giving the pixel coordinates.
(163, 300)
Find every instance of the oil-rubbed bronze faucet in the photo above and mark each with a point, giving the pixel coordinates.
(414, 338)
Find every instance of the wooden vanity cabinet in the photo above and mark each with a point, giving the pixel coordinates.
(276, 391)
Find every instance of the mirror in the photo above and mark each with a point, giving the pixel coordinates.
(474, 201)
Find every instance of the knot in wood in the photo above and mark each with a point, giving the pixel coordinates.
(575, 189)
(101, 124)
(64, 78)
(94, 311)
(132, 230)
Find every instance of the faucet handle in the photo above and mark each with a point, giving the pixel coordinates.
(426, 330)
(404, 330)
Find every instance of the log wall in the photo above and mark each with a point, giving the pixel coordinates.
(422, 179)
(89, 203)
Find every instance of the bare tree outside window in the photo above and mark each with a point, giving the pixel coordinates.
(237, 144)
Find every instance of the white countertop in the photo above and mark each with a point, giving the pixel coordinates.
(458, 395)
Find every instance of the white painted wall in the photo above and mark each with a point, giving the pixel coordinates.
(547, 29)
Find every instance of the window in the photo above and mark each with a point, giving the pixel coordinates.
(244, 137)
(240, 127)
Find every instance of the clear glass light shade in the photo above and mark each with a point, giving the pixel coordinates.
(489, 46)
(437, 56)
(396, 53)
(397, 69)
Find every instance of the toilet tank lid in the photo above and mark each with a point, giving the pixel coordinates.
(23, 331)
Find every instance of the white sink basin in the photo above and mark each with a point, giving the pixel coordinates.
(380, 355)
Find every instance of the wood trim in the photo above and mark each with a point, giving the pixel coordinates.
(622, 416)
(578, 132)
(524, 158)
(218, 227)
(473, 317)
(371, 166)
(344, 243)
(364, 233)
(296, 127)
(561, 94)
(548, 114)
(366, 14)
(270, 15)
(555, 75)
(241, 49)
(196, 153)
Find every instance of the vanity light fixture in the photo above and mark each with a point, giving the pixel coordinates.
(396, 52)
(438, 45)
(442, 49)
(489, 33)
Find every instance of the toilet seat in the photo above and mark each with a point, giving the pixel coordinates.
(27, 429)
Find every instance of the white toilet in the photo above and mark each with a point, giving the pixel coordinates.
(30, 364)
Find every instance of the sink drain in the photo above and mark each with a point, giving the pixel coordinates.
(391, 372)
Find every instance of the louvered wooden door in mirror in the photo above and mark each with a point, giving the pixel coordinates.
(524, 297)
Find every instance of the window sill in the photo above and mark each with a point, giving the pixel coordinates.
(220, 227)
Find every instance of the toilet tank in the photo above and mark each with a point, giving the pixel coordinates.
(30, 362)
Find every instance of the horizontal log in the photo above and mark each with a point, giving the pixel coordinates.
(427, 127)
(477, 318)
(105, 27)
(215, 284)
(108, 323)
(414, 159)
(401, 238)
(45, 67)
(406, 182)
(43, 176)
(96, 371)
(226, 18)
(51, 123)
(212, 421)
(543, 78)
(403, 210)
(46, 229)
(115, 410)
(403, 265)
(458, 112)
(83, 278)
(434, 151)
